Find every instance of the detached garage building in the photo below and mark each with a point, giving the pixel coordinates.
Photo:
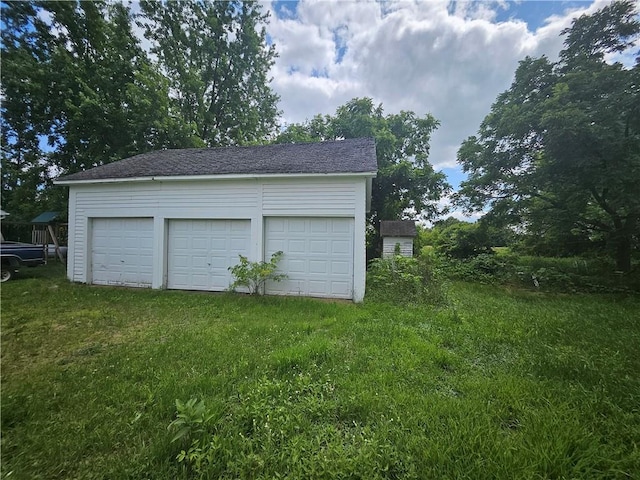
(178, 219)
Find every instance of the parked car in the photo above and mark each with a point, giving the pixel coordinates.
(16, 254)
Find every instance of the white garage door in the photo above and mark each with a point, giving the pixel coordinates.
(318, 255)
(200, 252)
(122, 251)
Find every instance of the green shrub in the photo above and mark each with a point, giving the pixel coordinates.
(253, 275)
(545, 273)
(399, 279)
(484, 268)
(463, 240)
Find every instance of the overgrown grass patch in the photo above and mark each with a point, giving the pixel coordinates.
(549, 274)
(500, 384)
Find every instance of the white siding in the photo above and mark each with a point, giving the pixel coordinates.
(250, 199)
(389, 246)
(312, 198)
(154, 197)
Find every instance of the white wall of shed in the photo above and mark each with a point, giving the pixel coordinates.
(389, 246)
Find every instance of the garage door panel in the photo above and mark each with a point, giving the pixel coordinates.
(340, 268)
(296, 226)
(200, 252)
(341, 247)
(342, 227)
(318, 255)
(319, 226)
(319, 246)
(318, 266)
(339, 288)
(239, 227)
(317, 287)
(196, 278)
(219, 244)
(196, 243)
(295, 266)
(296, 246)
(122, 251)
(218, 263)
(276, 225)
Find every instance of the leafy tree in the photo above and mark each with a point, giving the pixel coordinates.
(78, 91)
(217, 61)
(108, 100)
(459, 239)
(561, 147)
(23, 114)
(406, 185)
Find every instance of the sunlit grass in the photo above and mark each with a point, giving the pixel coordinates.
(500, 384)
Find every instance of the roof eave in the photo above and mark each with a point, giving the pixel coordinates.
(184, 178)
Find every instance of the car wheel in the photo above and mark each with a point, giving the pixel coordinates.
(6, 274)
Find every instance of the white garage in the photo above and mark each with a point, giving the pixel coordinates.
(184, 216)
(317, 255)
(122, 251)
(200, 252)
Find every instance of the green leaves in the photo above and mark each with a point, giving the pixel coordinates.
(560, 150)
(79, 91)
(406, 280)
(613, 28)
(254, 275)
(191, 419)
(216, 58)
(406, 184)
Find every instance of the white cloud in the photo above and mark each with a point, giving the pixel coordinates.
(450, 60)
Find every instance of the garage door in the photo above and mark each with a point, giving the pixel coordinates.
(122, 251)
(318, 255)
(200, 252)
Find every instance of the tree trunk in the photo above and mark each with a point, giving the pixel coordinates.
(623, 252)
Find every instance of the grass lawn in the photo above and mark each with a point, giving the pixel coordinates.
(502, 384)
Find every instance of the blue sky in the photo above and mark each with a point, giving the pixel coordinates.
(450, 59)
(535, 12)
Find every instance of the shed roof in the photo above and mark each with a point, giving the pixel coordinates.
(398, 228)
(342, 156)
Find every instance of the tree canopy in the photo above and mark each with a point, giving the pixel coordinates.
(216, 58)
(560, 150)
(407, 185)
(79, 90)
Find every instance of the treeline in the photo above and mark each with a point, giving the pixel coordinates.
(79, 90)
(558, 156)
(556, 161)
(479, 252)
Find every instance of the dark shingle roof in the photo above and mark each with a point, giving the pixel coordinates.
(343, 156)
(398, 228)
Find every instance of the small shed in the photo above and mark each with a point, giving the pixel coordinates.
(397, 233)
